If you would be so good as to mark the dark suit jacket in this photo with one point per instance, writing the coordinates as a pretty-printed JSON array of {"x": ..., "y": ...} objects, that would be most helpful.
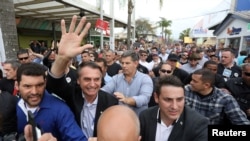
[
  {"x": 191, "y": 126},
  {"x": 72, "y": 95},
  {"x": 8, "y": 118}
]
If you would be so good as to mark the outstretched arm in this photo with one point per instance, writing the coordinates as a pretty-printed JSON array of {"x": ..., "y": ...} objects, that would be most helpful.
[{"x": 70, "y": 44}]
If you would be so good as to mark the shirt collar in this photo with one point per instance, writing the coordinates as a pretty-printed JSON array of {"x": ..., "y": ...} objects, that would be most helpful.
[
  {"x": 159, "y": 117},
  {"x": 136, "y": 73},
  {"x": 86, "y": 102}
]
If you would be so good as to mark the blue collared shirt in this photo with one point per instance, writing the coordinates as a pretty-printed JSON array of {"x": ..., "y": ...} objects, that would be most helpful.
[
  {"x": 88, "y": 117},
  {"x": 140, "y": 89}
]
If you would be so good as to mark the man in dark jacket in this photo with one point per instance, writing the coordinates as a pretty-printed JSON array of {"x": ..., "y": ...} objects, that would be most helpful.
[
  {"x": 240, "y": 89},
  {"x": 8, "y": 118},
  {"x": 86, "y": 100},
  {"x": 172, "y": 120}
]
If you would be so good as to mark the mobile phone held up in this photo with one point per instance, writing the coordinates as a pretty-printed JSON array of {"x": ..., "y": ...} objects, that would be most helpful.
[{"x": 35, "y": 130}]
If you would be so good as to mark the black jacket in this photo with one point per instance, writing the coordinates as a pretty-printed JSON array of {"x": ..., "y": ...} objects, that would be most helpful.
[
  {"x": 7, "y": 85},
  {"x": 240, "y": 91},
  {"x": 73, "y": 97},
  {"x": 8, "y": 118},
  {"x": 191, "y": 126}
]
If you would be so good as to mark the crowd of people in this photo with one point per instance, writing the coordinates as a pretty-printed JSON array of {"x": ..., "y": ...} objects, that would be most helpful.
[{"x": 150, "y": 92}]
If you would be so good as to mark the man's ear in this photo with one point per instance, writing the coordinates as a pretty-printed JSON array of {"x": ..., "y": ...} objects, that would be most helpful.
[
  {"x": 207, "y": 85},
  {"x": 156, "y": 97}
]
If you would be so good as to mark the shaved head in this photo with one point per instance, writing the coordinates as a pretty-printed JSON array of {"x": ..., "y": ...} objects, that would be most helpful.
[{"x": 118, "y": 123}]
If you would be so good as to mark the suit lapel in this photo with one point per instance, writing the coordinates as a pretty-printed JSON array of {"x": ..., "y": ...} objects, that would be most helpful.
[
  {"x": 177, "y": 130},
  {"x": 79, "y": 101},
  {"x": 99, "y": 109},
  {"x": 153, "y": 123}
]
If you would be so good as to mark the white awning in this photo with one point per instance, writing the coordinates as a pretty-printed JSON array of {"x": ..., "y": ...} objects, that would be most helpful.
[{"x": 55, "y": 10}]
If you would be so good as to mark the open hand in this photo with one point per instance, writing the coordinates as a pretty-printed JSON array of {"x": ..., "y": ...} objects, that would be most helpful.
[{"x": 70, "y": 42}]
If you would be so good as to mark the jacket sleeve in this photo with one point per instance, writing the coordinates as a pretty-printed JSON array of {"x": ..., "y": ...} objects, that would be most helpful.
[{"x": 60, "y": 87}]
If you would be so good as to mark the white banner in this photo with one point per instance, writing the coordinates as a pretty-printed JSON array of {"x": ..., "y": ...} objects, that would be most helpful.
[{"x": 2, "y": 50}]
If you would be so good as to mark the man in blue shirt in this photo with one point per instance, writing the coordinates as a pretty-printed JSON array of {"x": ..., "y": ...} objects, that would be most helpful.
[
  {"x": 50, "y": 113},
  {"x": 131, "y": 87}
]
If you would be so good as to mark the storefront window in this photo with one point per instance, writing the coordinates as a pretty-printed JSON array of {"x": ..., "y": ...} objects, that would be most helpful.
[
  {"x": 246, "y": 44},
  {"x": 234, "y": 43}
]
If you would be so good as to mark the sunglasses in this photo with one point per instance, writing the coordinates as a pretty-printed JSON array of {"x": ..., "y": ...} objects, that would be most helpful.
[
  {"x": 165, "y": 71},
  {"x": 24, "y": 58},
  {"x": 247, "y": 73}
]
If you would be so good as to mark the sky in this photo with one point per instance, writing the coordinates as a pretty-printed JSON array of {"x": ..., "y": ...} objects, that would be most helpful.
[{"x": 183, "y": 13}]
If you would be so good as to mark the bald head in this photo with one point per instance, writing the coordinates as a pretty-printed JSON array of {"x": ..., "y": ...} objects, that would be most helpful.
[{"x": 118, "y": 123}]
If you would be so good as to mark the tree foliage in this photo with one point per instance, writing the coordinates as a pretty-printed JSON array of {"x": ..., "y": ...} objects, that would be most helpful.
[
  {"x": 143, "y": 27},
  {"x": 164, "y": 24},
  {"x": 184, "y": 33}
]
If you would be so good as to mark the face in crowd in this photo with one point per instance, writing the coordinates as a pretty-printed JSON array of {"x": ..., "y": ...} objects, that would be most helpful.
[
  {"x": 165, "y": 69},
  {"x": 170, "y": 97},
  {"x": 227, "y": 58},
  {"x": 23, "y": 58},
  {"x": 90, "y": 83},
  {"x": 31, "y": 83}
]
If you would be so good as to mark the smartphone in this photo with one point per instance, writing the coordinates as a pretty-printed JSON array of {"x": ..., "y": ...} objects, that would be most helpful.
[{"x": 35, "y": 130}]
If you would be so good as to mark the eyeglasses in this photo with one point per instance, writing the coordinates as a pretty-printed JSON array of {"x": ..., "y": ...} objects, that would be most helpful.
[
  {"x": 24, "y": 58},
  {"x": 247, "y": 73},
  {"x": 165, "y": 71},
  {"x": 143, "y": 55}
]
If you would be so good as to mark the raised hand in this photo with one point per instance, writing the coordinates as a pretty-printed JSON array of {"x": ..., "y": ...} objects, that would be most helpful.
[{"x": 70, "y": 42}]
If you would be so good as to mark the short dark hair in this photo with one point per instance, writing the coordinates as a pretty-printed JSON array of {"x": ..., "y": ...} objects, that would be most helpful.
[
  {"x": 22, "y": 51},
  {"x": 208, "y": 63},
  {"x": 193, "y": 56},
  {"x": 103, "y": 61},
  {"x": 207, "y": 76},
  {"x": 216, "y": 56},
  {"x": 244, "y": 66},
  {"x": 169, "y": 80},
  {"x": 230, "y": 50},
  {"x": 30, "y": 69},
  {"x": 243, "y": 52},
  {"x": 85, "y": 51},
  {"x": 154, "y": 48},
  {"x": 163, "y": 63},
  {"x": 90, "y": 64},
  {"x": 130, "y": 53}
]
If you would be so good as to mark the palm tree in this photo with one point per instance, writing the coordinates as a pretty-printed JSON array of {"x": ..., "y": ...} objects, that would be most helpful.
[
  {"x": 184, "y": 33},
  {"x": 167, "y": 33},
  {"x": 143, "y": 27},
  {"x": 164, "y": 24},
  {"x": 130, "y": 10}
]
